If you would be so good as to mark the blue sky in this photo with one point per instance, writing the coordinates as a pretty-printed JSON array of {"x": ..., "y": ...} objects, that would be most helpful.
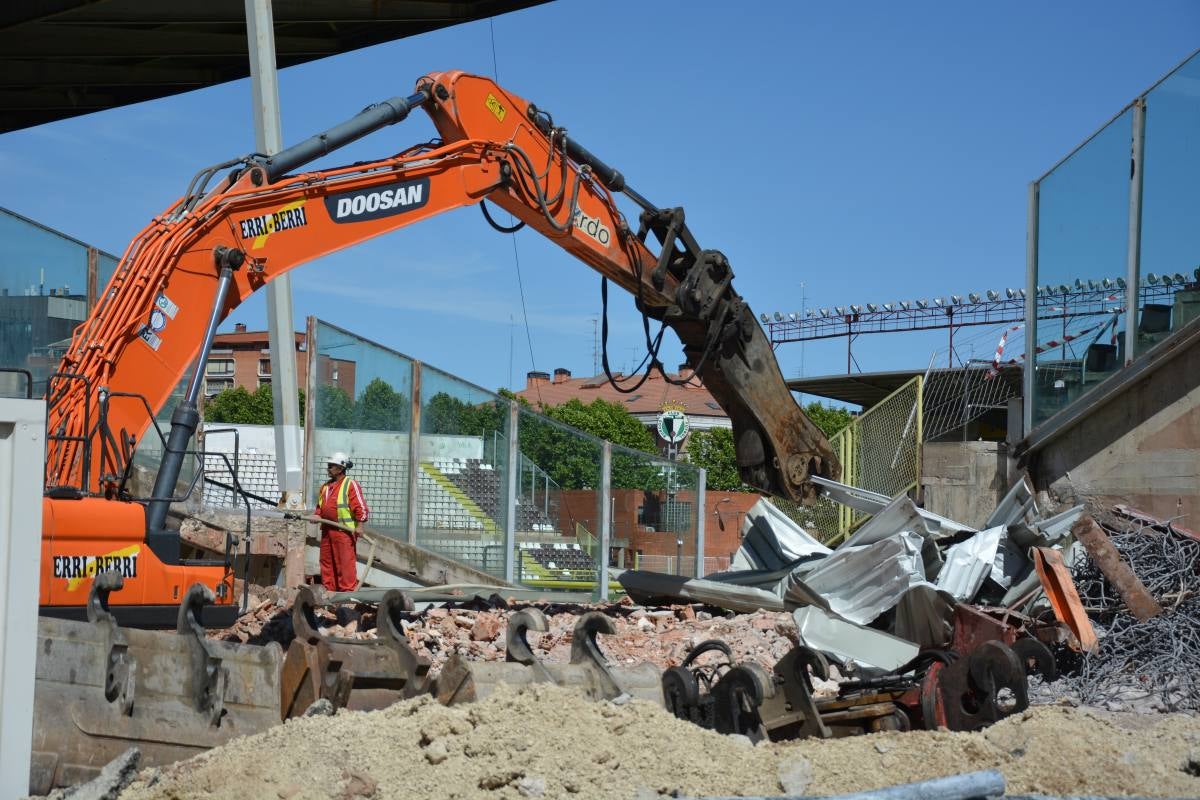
[{"x": 872, "y": 151}]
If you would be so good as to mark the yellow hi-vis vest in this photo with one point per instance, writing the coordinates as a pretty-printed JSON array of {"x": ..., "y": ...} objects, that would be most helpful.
[{"x": 345, "y": 516}]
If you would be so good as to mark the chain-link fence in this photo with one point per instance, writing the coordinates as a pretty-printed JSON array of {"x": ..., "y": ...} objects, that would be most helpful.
[{"x": 879, "y": 450}]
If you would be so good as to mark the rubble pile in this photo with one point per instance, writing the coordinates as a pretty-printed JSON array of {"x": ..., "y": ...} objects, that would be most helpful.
[
  {"x": 1153, "y": 663},
  {"x": 660, "y": 636},
  {"x": 552, "y": 743}
]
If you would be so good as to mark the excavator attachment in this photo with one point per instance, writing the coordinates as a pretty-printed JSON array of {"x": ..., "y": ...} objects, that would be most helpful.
[
  {"x": 589, "y": 672},
  {"x": 359, "y": 674},
  {"x": 101, "y": 689}
]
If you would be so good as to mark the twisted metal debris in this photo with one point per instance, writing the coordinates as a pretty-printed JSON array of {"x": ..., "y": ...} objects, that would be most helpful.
[{"x": 1155, "y": 663}]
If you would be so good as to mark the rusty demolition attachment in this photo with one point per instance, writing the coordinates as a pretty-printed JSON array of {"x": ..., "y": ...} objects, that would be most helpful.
[
  {"x": 463, "y": 681},
  {"x": 980, "y": 680},
  {"x": 358, "y": 674},
  {"x": 101, "y": 688}
]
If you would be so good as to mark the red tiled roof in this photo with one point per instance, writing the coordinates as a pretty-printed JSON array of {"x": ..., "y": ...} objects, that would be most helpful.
[{"x": 648, "y": 399}]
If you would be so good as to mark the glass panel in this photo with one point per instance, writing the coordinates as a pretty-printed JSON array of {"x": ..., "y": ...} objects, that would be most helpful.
[
  {"x": 656, "y": 513},
  {"x": 1170, "y": 255},
  {"x": 463, "y": 483},
  {"x": 362, "y": 408},
  {"x": 43, "y": 285},
  {"x": 557, "y": 506},
  {"x": 1083, "y": 224}
]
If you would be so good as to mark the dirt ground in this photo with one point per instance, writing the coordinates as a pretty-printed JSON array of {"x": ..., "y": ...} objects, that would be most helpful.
[{"x": 548, "y": 742}]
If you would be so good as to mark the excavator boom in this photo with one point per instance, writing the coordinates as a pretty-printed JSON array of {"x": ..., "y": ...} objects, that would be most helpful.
[{"x": 196, "y": 262}]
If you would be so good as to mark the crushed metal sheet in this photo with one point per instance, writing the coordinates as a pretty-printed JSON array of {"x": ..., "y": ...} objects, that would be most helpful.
[
  {"x": 772, "y": 540},
  {"x": 1045, "y": 532},
  {"x": 860, "y": 583},
  {"x": 862, "y": 500},
  {"x": 847, "y": 641},
  {"x": 1019, "y": 504},
  {"x": 1010, "y": 565},
  {"x": 902, "y": 515},
  {"x": 925, "y": 616},
  {"x": 968, "y": 563}
]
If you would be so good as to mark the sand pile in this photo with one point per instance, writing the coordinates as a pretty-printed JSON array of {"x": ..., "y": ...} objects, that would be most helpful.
[{"x": 547, "y": 742}]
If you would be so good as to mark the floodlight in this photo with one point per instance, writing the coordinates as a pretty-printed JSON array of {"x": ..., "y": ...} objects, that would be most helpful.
[
  {"x": 1167, "y": 280},
  {"x": 1078, "y": 284},
  {"x": 956, "y": 299},
  {"x": 1092, "y": 285},
  {"x": 1063, "y": 289},
  {"x": 973, "y": 297},
  {"x": 824, "y": 312},
  {"x": 810, "y": 313},
  {"x": 872, "y": 307},
  {"x": 888, "y": 306},
  {"x": 857, "y": 309},
  {"x": 1107, "y": 283},
  {"x": 1047, "y": 289},
  {"x": 764, "y": 317},
  {"x": 792, "y": 316},
  {"x": 778, "y": 317},
  {"x": 922, "y": 304},
  {"x": 1120, "y": 283},
  {"x": 1179, "y": 278},
  {"x": 939, "y": 301},
  {"x": 993, "y": 295},
  {"x": 907, "y": 305},
  {"x": 1196, "y": 272},
  {"x": 1010, "y": 293},
  {"x": 841, "y": 310},
  {"x": 1022, "y": 292},
  {"x": 1152, "y": 279}
]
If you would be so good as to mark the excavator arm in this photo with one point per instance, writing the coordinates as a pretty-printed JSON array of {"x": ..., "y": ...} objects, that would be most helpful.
[{"x": 196, "y": 262}]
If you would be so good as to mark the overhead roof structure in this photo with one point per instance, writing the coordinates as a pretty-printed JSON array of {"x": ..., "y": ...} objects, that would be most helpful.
[
  {"x": 867, "y": 389},
  {"x": 63, "y": 58}
]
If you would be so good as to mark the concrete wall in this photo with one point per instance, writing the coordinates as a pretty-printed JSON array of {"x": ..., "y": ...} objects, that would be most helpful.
[
  {"x": 964, "y": 480},
  {"x": 1142, "y": 448}
]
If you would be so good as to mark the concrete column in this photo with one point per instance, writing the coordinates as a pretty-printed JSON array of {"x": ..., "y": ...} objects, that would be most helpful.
[
  {"x": 701, "y": 489},
  {"x": 605, "y": 517},
  {"x": 280, "y": 328},
  {"x": 22, "y": 451},
  {"x": 510, "y": 492}
]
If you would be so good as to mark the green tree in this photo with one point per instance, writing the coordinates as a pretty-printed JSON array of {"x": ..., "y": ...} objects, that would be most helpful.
[
  {"x": 239, "y": 407},
  {"x": 381, "y": 408},
  {"x": 829, "y": 419},
  {"x": 573, "y": 461},
  {"x": 334, "y": 409},
  {"x": 714, "y": 451},
  {"x": 444, "y": 413}
]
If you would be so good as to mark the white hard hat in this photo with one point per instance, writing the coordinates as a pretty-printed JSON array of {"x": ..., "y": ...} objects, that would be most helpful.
[{"x": 341, "y": 459}]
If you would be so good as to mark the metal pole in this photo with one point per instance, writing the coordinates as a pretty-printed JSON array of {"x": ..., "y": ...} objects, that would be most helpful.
[
  {"x": 414, "y": 455},
  {"x": 1031, "y": 333},
  {"x": 605, "y": 509},
  {"x": 280, "y": 328},
  {"x": 701, "y": 490},
  {"x": 510, "y": 498},
  {"x": 1133, "y": 261}
]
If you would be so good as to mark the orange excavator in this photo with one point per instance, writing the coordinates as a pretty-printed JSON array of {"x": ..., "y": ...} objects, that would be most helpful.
[{"x": 262, "y": 216}]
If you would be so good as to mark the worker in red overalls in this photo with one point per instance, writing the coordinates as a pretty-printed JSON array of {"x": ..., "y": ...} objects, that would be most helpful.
[{"x": 342, "y": 501}]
